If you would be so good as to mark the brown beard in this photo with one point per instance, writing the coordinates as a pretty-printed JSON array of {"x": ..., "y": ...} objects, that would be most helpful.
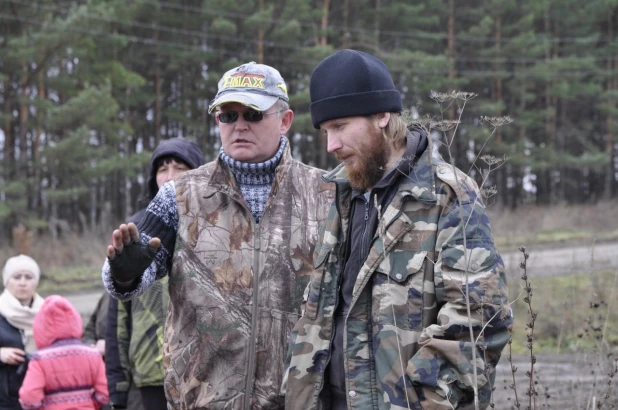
[{"x": 370, "y": 163}]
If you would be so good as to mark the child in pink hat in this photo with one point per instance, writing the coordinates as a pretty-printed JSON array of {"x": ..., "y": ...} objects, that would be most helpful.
[{"x": 64, "y": 373}]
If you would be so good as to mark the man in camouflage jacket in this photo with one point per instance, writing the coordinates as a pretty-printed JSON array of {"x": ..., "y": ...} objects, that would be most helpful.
[
  {"x": 235, "y": 237},
  {"x": 134, "y": 334},
  {"x": 384, "y": 319}
]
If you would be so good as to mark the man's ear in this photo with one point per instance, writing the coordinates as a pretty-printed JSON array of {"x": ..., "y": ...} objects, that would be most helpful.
[
  {"x": 383, "y": 118},
  {"x": 286, "y": 121}
]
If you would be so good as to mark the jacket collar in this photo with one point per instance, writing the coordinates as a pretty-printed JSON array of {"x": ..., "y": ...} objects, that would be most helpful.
[
  {"x": 222, "y": 178},
  {"x": 419, "y": 183}
]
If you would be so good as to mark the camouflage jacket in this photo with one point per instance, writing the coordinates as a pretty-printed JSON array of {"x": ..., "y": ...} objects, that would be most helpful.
[
  {"x": 406, "y": 341},
  {"x": 235, "y": 286},
  {"x": 139, "y": 333}
]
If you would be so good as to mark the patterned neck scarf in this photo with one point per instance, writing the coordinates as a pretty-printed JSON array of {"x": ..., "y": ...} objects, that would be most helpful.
[{"x": 255, "y": 179}]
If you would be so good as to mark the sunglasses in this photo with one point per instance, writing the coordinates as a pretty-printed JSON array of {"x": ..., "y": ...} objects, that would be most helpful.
[{"x": 249, "y": 116}]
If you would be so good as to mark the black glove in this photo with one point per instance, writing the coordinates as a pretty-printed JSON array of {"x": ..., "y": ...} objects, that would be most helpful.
[
  {"x": 129, "y": 264},
  {"x": 23, "y": 366}
]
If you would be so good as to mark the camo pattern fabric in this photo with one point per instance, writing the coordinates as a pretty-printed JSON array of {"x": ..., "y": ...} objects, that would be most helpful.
[
  {"x": 407, "y": 340},
  {"x": 141, "y": 348},
  {"x": 236, "y": 286}
]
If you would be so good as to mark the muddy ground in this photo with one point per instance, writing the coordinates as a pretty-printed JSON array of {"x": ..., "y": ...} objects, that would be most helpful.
[{"x": 563, "y": 381}]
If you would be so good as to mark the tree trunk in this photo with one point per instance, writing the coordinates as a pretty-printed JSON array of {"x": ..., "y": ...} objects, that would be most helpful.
[
  {"x": 501, "y": 173},
  {"x": 561, "y": 146},
  {"x": 518, "y": 190},
  {"x": 609, "y": 121},
  {"x": 36, "y": 147},
  {"x": 260, "y": 36},
  {"x": 9, "y": 134},
  {"x": 24, "y": 116},
  {"x": 545, "y": 193},
  {"x": 497, "y": 67},
  {"x": 128, "y": 207},
  {"x": 324, "y": 25},
  {"x": 157, "y": 85},
  {"x": 346, "y": 29},
  {"x": 376, "y": 28},
  {"x": 457, "y": 145},
  {"x": 53, "y": 216}
]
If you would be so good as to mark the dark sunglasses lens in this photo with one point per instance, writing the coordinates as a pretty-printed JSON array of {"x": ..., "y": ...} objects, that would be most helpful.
[
  {"x": 253, "y": 116},
  {"x": 227, "y": 117}
]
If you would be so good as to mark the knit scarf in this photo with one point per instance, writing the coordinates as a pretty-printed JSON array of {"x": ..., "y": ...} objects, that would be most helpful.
[
  {"x": 255, "y": 179},
  {"x": 20, "y": 316}
]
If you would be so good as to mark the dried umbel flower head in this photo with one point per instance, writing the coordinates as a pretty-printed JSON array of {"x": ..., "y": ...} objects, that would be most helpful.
[
  {"x": 489, "y": 192},
  {"x": 465, "y": 96},
  {"x": 493, "y": 160},
  {"x": 445, "y": 125},
  {"x": 426, "y": 122},
  {"x": 442, "y": 97},
  {"x": 453, "y": 95},
  {"x": 496, "y": 122}
]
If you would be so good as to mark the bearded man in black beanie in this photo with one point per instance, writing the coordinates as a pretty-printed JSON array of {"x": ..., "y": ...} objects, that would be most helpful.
[{"x": 406, "y": 245}]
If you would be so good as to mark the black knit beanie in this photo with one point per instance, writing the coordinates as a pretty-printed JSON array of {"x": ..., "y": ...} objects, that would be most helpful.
[{"x": 351, "y": 83}]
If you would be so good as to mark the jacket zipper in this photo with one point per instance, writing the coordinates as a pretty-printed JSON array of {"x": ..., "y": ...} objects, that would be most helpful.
[
  {"x": 254, "y": 311},
  {"x": 345, "y": 321},
  {"x": 254, "y": 308},
  {"x": 364, "y": 236},
  {"x": 253, "y": 339},
  {"x": 340, "y": 263},
  {"x": 254, "y": 315}
]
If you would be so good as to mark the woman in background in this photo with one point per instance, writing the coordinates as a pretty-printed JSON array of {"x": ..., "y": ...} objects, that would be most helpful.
[{"x": 19, "y": 303}]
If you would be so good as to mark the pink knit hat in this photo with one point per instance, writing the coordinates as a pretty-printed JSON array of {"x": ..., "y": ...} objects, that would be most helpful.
[{"x": 57, "y": 319}]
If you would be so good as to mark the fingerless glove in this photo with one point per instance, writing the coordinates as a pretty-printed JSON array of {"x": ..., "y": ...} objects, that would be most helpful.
[{"x": 129, "y": 264}]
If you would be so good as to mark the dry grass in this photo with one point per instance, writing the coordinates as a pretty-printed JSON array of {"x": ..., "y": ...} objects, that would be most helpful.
[
  {"x": 70, "y": 264},
  {"x": 570, "y": 308},
  {"x": 533, "y": 225}
]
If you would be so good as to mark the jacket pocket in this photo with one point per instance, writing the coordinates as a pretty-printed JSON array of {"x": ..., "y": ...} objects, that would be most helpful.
[
  {"x": 477, "y": 267},
  {"x": 398, "y": 289},
  {"x": 481, "y": 256},
  {"x": 311, "y": 298}
]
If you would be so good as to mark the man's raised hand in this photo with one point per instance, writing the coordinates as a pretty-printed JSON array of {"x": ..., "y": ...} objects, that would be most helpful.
[{"x": 128, "y": 257}]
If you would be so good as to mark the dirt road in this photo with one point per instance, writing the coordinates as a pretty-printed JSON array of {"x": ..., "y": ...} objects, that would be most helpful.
[
  {"x": 563, "y": 381},
  {"x": 564, "y": 260},
  {"x": 543, "y": 262}
]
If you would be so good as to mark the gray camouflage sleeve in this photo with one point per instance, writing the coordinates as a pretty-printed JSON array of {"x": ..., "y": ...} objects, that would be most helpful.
[
  {"x": 160, "y": 221},
  {"x": 443, "y": 364}
]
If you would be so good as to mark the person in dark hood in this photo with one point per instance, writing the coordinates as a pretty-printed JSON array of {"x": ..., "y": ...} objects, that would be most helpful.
[
  {"x": 171, "y": 158},
  {"x": 134, "y": 333}
]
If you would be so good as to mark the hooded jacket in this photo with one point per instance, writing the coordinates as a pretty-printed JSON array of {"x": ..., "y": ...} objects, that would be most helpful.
[
  {"x": 63, "y": 373},
  {"x": 186, "y": 150},
  {"x": 406, "y": 342},
  {"x": 134, "y": 334}
]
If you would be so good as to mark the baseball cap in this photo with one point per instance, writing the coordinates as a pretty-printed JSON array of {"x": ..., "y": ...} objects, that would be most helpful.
[{"x": 255, "y": 85}]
